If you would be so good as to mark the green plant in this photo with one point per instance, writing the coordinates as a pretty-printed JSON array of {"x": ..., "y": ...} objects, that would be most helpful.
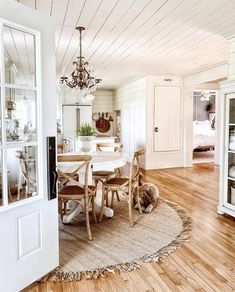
[{"x": 86, "y": 130}]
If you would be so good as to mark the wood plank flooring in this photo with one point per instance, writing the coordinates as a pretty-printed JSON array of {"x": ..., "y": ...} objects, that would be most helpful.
[{"x": 206, "y": 263}]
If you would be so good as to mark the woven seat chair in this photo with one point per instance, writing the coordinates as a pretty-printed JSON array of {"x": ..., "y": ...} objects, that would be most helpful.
[
  {"x": 125, "y": 186},
  {"x": 101, "y": 176},
  {"x": 72, "y": 190}
]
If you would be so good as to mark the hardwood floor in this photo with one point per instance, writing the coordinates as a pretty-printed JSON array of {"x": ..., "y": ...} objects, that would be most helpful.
[{"x": 206, "y": 263}]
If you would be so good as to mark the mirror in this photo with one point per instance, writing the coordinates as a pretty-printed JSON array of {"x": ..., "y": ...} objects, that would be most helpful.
[{"x": 19, "y": 50}]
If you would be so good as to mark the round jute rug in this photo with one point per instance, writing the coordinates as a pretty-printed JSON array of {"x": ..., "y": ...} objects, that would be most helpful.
[{"x": 118, "y": 247}]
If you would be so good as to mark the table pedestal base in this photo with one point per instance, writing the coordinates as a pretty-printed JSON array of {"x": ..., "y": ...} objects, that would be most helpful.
[{"x": 76, "y": 208}]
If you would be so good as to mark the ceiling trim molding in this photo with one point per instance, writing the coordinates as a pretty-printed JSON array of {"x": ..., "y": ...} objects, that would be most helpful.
[{"x": 208, "y": 75}]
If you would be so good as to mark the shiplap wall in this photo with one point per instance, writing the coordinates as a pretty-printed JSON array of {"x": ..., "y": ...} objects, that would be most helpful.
[
  {"x": 103, "y": 103},
  {"x": 130, "y": 99}
]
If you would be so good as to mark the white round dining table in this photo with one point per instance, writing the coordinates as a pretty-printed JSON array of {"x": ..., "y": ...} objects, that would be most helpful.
[{"x": 100, "y": 161}]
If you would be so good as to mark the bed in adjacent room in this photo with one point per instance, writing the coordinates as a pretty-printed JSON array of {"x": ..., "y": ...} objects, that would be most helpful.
[{"x": 203, "y": 135}]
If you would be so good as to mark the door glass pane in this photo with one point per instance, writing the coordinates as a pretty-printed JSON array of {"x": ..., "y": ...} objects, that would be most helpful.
[
  {"x": 22, "y": 173},
  {"x": 231, "y": 192},
  {"x": 19, "y": 50},
  {"x": 1, "y": 192},
  {"x": 21, "y": 115},
  {"x": 232, "y": 111}
]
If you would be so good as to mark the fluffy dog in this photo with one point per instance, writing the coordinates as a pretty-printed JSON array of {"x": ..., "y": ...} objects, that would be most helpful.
[{"x": 149, "y": 195}]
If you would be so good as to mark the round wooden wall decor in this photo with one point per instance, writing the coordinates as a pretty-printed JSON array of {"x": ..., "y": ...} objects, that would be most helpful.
[{"x": 102, "y": 125}]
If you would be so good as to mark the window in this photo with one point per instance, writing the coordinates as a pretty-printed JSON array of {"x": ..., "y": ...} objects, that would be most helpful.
[{"x": 19, "y": 115}]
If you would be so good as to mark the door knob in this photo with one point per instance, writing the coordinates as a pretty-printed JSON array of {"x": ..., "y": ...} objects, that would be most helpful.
[{"x": 156, "y": 129}]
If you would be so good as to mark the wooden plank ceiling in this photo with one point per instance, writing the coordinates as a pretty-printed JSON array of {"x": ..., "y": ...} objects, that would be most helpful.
[{"x": 125, "y": 39}]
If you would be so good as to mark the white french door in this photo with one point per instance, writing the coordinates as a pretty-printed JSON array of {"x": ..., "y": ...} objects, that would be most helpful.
[{"x": 28, "y": 219}]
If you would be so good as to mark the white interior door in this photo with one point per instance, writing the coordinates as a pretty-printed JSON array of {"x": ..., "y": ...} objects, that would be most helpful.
[
  {"x": 167, "y": 136},
  {"x": 28, "y": 220}
]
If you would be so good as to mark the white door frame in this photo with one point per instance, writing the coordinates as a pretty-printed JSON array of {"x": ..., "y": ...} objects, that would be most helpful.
[{"x": 217, "y": 116}]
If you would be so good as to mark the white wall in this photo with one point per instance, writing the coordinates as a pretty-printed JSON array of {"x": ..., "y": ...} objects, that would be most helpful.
[
  {"x": 130, "y": 99},
  {"x": 159, "y": 159},
  {"x": 103, "y": 103}
]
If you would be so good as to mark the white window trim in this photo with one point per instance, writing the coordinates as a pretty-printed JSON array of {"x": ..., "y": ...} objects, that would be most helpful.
[{"x": 37, "y": 89}]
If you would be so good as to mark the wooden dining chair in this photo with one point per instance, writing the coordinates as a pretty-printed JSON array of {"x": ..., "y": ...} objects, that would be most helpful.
[
  {"x": 114, "y": 147},
  {"x": 101, "y": 176},
  {"x": 72, "y": 190},
  {"x": 125, "y": 185},
  {"x": 25, "y": 179}
]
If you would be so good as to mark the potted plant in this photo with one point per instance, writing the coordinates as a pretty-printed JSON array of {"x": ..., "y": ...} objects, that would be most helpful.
[{"x": 86, "y": 135}]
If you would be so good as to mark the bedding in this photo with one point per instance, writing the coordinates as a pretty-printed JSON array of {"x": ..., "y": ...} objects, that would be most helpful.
[{"x": 203, "y": 134}]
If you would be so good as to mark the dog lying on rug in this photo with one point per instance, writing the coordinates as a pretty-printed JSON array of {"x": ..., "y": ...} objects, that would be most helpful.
[{"x": 149, "y": 195}]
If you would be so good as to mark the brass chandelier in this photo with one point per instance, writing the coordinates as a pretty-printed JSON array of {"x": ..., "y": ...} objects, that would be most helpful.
[{"x": 81, "y": 77}]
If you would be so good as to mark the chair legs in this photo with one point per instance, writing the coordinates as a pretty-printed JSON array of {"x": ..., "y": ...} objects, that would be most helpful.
[
  {"x": 130, "y": 207},
  {"x": 107, "y": 200},
  {"x": 86, "y": 209},
  {"x": 112, "y": 199},
  {"x": 138, "y": 199},
  {"x": 117, "y": 196},
  {"x": 102, "y": 204},
  {"x": 130, "y": 203},
  {"x": 93, "y": 210},
  {"x": 60, "y": 208}
]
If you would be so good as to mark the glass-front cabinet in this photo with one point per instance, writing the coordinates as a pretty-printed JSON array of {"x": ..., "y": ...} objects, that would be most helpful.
[
  {"x": 228, "y": 165},
  {"x": 19, "y": 94}
]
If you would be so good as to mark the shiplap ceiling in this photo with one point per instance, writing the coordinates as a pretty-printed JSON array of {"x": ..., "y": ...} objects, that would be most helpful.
[
  {"x": 125, "y": 39},
  {"x": 19, "y": 56}
]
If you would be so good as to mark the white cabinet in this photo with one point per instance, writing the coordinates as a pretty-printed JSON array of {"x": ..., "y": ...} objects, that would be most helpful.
[
  {"x": 227, "y": 171},
  {"x": 167, "y": 115},
  {"x": 73, "y": 117}
]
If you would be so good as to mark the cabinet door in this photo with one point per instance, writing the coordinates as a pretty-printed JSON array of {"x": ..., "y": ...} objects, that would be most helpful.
[
  {"x": 229, "y": 168},
  {"x": 167, "y": 105},
  {"x": 71, "y": 120}
]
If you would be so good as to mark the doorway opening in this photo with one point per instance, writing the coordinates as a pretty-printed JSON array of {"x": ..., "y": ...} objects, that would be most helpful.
[{"x": 204, "y": 122}]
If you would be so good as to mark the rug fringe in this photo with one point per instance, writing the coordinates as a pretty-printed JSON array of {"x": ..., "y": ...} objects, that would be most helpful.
[{"x": 59, "y": 275}]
